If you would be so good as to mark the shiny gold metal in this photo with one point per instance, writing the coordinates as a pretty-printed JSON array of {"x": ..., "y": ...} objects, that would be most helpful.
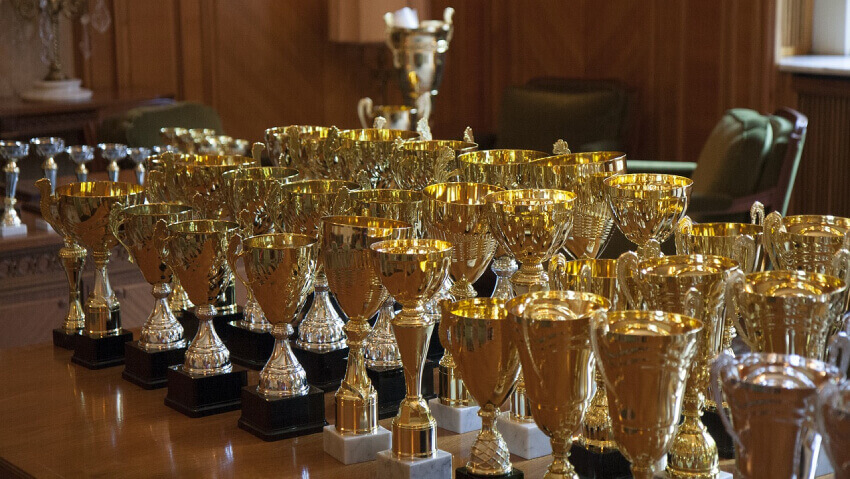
[
  {"x": 83, "y": 209},
  {"x": 288, "y": 146},
  {"x": 135, "y": 228},
  {"x": 509, "y": 169},
  {"x": 279, "y": 269},
  {"x": 198, "y": 182},
  {"x": 646, "y": 207},
  {"x": 369, "y": 150},
  {"x": 551, "y": 330},
  {"x": 583, "y": 173},
  {"x": 787, "y": 312},
  {"x": 645, "y": 357},
  {"x": 196, "y": 252},
  {"x": 488, "y": 361},
  {"x": 416, "y": 164},
  {"x": 398, "y": 117},
  {"x": 412, "y": 270},
  {"x": 531, "y": 225},
  {"x": 176, "y": 137},
  {"x": 351, "y": 274},
  {"x": 739, "y": 241},
  {"x": 813, "y": 243}
]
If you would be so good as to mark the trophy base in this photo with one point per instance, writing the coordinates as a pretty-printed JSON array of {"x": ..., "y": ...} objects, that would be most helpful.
[
  {"x": 463, "y": 473},
  {"x": 190, "y": 324},
  {"x": 435, "y": 348},
  {"x": 389, "y": 382},
  {"x": 354, "y": 448},
  {"x": 7, "y": 231},
  {"x": 438, "y": 465},
  {"x": 63, "y": 340},
  {"x": 524, "y": 439},
  {"x": 725, "y": 446},
  {"x": 324, "y": 370},
  {"x": 455, "y": 419},
  {"x": 248, "y": 348},
  {"x": 197, "y": 396},
  {"x": 99, "y": 353},
  {"x": 275, "y": 419},
  {"x": 593, "y": 465},
  {"x": 148, "y": 369}
]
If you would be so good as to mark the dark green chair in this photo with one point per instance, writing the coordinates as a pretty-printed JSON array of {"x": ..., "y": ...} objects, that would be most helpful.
[{"x": 140, "y": 126}]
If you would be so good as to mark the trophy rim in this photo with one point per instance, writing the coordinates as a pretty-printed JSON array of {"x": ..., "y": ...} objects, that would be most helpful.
[
  {"x": 294, "y": 187},
  {"x": 209, "y": 227},
  {"x": 458, "y": 146},
  {"x": 247, "y": 174},
  {"x": 387, "y": 135},
  {"x": 279, "y": 241},
  {"x": 596, "y": 157},
  {"x": 726, "y": 230},
  {"x": 610, "y": 267},
  {"x": 756, "y": 362},
  {"x": 628, "y": 182},
  {"x": 517, "y": 306},
  {"x": 443, "y": 188},
  {"x": 678, "y": 325},
  {"x": 649, "y": 266},
  {"x": 159, "y": 208},
  {"x": 96, "y": 189},
  {"x": 434, "y": 249},
  {"x": 404, "y": 196},
  {"x": 835, "y": 285},
  {"x": 529, "y": 156},
  {"x": 370, "y": 223},
  {"x": 514, "y": 197}
]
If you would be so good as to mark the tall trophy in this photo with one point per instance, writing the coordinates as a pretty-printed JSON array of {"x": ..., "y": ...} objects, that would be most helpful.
[
  {"x": 161, "y": 342},
  {"x": 644, "y": 357},
  {"x": 487, "y": 359},
  {"x": 84, "y": 211},
  {"x": 348, "y": 263},
  {"x": 11, "y": 152},
  {"x": 321, "y": 346},
  {"x": 73, "y": 258},
  {"x": 412, "y": 271},
  {"x": 279, "y": 268},
  {"x": 47, "y": 148},
  {"x": 112, "y": 153},
  {"x": 206, "y": 383},
  {"x": 80, "y": 155},
  {"x": 771, "y": 399},
  {"x": 552, "y": 329}
]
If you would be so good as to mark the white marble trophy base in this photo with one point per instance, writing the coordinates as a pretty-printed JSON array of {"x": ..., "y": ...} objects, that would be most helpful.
[
  {"x": 350, "y": 449},
  {"x": 725, "y": 475},
  {"x": 524, "y": 439},
  {"x": 10, "y": 231},
  {"x": 437, "y": 467},
  {"x": 57, "y": 90},
  {"x": 455, "y": 419},
  {"x": 42, "y": 225}
]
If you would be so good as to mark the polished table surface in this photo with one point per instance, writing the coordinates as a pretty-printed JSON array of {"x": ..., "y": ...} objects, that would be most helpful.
[{"x": 58, "y": 419}]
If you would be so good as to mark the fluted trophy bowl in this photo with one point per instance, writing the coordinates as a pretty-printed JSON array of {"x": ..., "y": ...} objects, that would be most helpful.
[
  {"x": 287, "y": 146},
  {"x": 741, "y": 241},
  {"x": 369, "y": 150},
  {"x": 509, "y": 169},
  {"x": 198, "y": 181},
  {"x": 551, "y": 330},
  {"x": 583, "y": 174},
  {"x": 416, "y": 164},
  {"x": 813, "y": 243}
]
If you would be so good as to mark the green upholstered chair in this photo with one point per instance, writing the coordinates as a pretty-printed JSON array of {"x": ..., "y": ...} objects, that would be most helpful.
[{"x": 140, "y": 126}]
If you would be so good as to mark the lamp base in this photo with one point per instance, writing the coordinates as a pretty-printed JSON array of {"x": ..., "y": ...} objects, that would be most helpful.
[
  {"x": 197, "y": 396},
  {"x": 524, "y": 439},
  {"x": 354, "y": 448},
  {"x": 148, "y": 369},
  {"x": 438, "y": 465},
  {"x": 455, "y": 419},
  {"x": 324, "y": 370},
  {"x": 251, "y": 349},
  {"x": 592, "y": 465},
  {"x": 64, "y": 340},
  {"x": 274, "y": 419},
  {"x": 57, "y": 90},
  {"x": 389, "y": 382},
  {"x": 103, "y": 352}
]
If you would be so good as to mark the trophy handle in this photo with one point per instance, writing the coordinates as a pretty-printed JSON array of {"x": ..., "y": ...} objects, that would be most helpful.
[
  {"x": 364, "y": 110},
  {"x": 734, "y": 285},
  {"x": 757, "y": 213},
  {"x": 557, "y": 265},
  {"x": 441, "y": 166},
  {"x": 683, "y": 230},
  {"x": 234, "y": 252},
  {"x": 841, "y": 265},
  {"x": 585, "y": 277},
  {"x": 744, "y": 252},
  {"x": 160, "y": 239},
  {"x": 839, "y": 350},
  {"x": 423, "y": 105},
  {"x": 115, "y": 222},
  {"x": 694, "y": 305},
  {"x": 774, "y": 231},
  {"x": 363, "y": 180},
  {"x": 257, "y": 152},
  {"x": 724, "y": 362},
  {"x": 49, "y": 205},
  {"x": 330, "y": 147},
  {"x": 342, "y": 202},
  {"x": 561, "y": 147},
  {"x": 448, "y": 13},
  {"x": 445, "y": 324},
  {"x": 379, "y": 123},
  {"x": 468, "y": 136},
  {"x": 822, "y": 401},
  {"x": 627, "y": 265},
  {"x": 424, "y": 130}
]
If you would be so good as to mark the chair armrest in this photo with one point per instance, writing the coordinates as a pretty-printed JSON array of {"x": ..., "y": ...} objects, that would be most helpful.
[{"x": 681, "y": 168}]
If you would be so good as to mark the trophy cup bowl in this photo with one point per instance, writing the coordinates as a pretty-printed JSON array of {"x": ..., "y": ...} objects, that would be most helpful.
[
  {"x": 11, "y": 152},
  {"x": 80, "y": 155},
  {"x": 771, "y": 399},
  {"x": 416, "y": 164},
  {"x": 174, "y": 137},
  {"x": 788, "y": 312},
  {"x": 583, "y": 173},
  {"x": 832, "y": 411},
  {"x": 532, "y": 225},
  {"x": 112, "y": 152},
  {"x": 138, "y": 156},
  {"x": 813, "y": 243},
  {"x": 740, "y": 241},
  {"x": 509, "y": 169},
  {"x": 198, "y": 182},
  {"x": 198, "y": 138},
  {"x": 412, "y": 271},
  {"x": 644, "y": 357},
  {"x": 48, "y": 147},
  {"x": 488, "y": 362},
  {"x": 350, "y": 272},
  {"x": 369, "y": 150},
  {"x": 646, "y": 207},
  {"x": 286, "y": 146},
  {"x": 551, "y": 330}
]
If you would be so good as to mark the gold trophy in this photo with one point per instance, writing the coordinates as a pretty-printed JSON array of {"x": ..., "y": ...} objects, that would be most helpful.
[
  {"x": 351, "y": 274},
  {"x": 399, "y": 117},
  {"x": 583, "y": 173},
  {"x": 321, "y": 347},
  {"x": 487, "y": 358},
  {"x": 175, "y": 137},
  {"x": 73, "y": 258},
  {"x": 771, "y": 398},
  {"x": 742, "y": 242},
  {"x": 787, "y": 312},
  {"x": 286, "y": 147},
  {"x": 412, "y": 270},
  {"x": 694, "y": 285},
  {"x": 551, "y": 329},
  {"x": 416, "y": 164},
  {"x": 206, "y": 383},
  {"x": 369, "y": 150},
  {"x": 645, "y": 357},
  {"x": 83, "y": 209},
  {"x": 813, "y": 243},
  {"x": 161, "y": 342},
  {"x": 279, "y": 268},
  {"x": 647, "y": 207}
]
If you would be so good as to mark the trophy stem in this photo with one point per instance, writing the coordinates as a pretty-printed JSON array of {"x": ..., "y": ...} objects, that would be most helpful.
[
  {"x": 253, "y": 318},
  {"x": 161, "y": 331},
  {"x": 50, "y": 168},
  {"x": 73, "y": 258},
  {"x": 693, "y": 452},
  {"x": 489, "y": 455},
  {"x": 596, "y": 428},
  {"x": 82, "y": 172},
  {"x": 530, "y": 278},
  {"x": 639, "y": 472},
  {"x": 356, "y": 399},
  {"x": 179, "y": 299},
  {"x": 520, "y": 407},
  {"x": 10, "y": 216},
  {"x": 140, "y": 173},
  {"x": 102, "y": 308},
  {"x": 206, "y": 355},
  {"x": 112, "y": 170},
  {"x": 561, "y": 466},
  {"x": 381, "y": 349},
  {"x": 322, "y": 328},
  {"x": 462, "y": 289},
  {"x": 432, "y": 306},
  {"x": 504, "y": 267},
  {"x": 283, "y": 375}
]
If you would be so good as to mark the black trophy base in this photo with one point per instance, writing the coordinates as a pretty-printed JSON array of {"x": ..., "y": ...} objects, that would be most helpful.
[
  {"x": 64, "y": 340},
  {"x": 248, "y": 348},
  {"x": 190, "y": 323},
  {"x": 197, "y": 396},
  {"x": 463, "y": 473},
  {"x": 275, "y": 419},
  {"x": 725, "y": 446},
  {"x": 592, "y": 465},
  {"x": 435, "y": 348},
  {"x": 148, "y": 369},
  {"x": 389, "y": 382},
  {"x": 99, "y": 353},
  {"x": 324, "y": 370}
]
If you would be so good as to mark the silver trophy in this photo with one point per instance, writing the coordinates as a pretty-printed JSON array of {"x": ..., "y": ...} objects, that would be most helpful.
[
  {"x": 112, "y": 152},
  {"x": 48, "y": 147},
  {"x": 138, "y": 157},
  {"x": 80, "y": 155},
  {"x": 12, "y": 151}
]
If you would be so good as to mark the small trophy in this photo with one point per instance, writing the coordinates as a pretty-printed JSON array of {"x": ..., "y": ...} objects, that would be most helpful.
[
  {"x": 80, "y": 155},
  {"x": 12, "y": 151},
  {"x": 138, "y": 156},
  {"x": 112, "y": 152},
  {"x": 399, "y": 117},
  {"x": 47, "y": 148},
  {"x": 369, "y": 150}
]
